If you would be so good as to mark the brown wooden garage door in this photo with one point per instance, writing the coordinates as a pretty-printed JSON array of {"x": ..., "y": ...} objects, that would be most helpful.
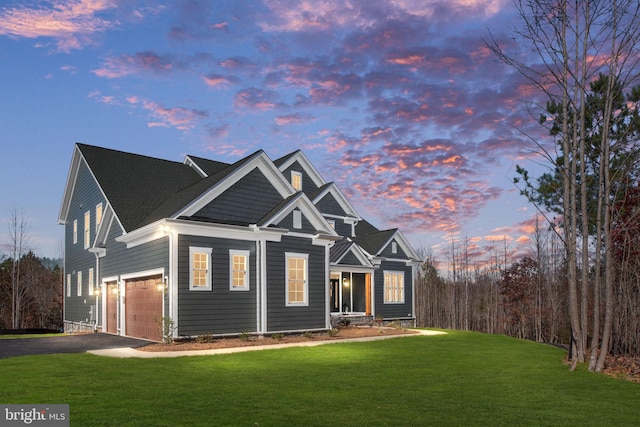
[
  {"x": 111, "y": 315},
  {"x": 143, "y": 307}
]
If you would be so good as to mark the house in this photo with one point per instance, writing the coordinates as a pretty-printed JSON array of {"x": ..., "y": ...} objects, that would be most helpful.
[{"x": 257, "y": 246}]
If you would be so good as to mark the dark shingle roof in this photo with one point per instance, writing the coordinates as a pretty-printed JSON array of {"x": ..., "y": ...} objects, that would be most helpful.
[
  {"x": 284, "y": 158},
  {"x": 136, "y": 185},
  {"x": 210, "y": 167},
  {"x": 339, "y": 249},
  {"x": 173, "y": 203},
  {"x": 370, "y": 238}
]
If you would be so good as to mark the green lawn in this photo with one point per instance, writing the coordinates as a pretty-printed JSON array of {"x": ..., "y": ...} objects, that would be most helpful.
[{"x": 457, "y": 379}]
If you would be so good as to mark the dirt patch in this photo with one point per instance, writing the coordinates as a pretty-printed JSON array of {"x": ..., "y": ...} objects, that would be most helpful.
[{"x": 207, "y": 342}]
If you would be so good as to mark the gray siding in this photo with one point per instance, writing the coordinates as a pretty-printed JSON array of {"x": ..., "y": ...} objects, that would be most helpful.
[
  {"x": 342, "y": 228},
  {"x": 308, "y": 186},
  {"x": 400, "y": 254},
  {"x": 393, "y": 310},
  {"x": 329, "y": 205},
  {"x": 219, "y": 311},
  {"x": 350, "y": 259},
  {"x": 120, "y": 260},
  {"x": 86, "y": 195},
  {"x": 251, "y": 198},
  {"x": 287, "y": 223},
  {"x": 279, "y": 316}
]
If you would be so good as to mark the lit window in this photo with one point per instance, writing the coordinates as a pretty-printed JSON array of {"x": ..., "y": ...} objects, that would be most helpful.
[
  {"x": 79, "y": 283},
  {"x": 68, "y": 285},
  {"x": 91, "y": 285},
  {"x": 87, "y": 229},
  {"x": 332, "y": 223},
  {"x": 200, "y": 271},
  {"x": 239, "y": 270},
  {"x": 297, "y": 287},
  {"x": 75, "y": 231},
  {"x": 393, "y": 287},
  {"x": 297, "y": 219},
  {"x": 296, "y": 180},
  {"x": 98, "y": 216}
]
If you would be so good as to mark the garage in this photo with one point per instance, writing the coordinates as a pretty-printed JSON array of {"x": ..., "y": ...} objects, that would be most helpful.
[
  {"x": 143, "y": 307},
  {"x": 111, "y": 315}
]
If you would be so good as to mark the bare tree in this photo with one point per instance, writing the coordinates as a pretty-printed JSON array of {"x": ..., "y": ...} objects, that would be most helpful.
[
  {"x": 17, "y": 246},
  {"x": 572, "y": 42}
]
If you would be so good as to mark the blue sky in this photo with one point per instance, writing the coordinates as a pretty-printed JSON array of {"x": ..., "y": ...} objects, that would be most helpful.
[{"x": 399, "y": 102}]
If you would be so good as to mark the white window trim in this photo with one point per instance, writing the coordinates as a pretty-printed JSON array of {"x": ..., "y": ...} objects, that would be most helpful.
[
  {"x": 296, "y": 174},
  {"x": 193, "y": 250},
  {"x": 394, "y": 247},
  {"x": 68, "y": 285},
  {"x": 245, "y": 254},
  {"x": 297, "y": 219},
  {"x": 99, "y": 217},
  {"x": 398, "y": 301},
  {"x": 304, "y": 303},
  {"x": 79, "y": 283},
  {"x": 75, "y": 231},
  {"x": 91, "y": 280},
  {"x": 87, "y": 229}
]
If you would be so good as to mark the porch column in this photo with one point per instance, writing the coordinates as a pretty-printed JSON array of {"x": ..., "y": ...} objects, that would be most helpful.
[{"x": 367, "y": 280}]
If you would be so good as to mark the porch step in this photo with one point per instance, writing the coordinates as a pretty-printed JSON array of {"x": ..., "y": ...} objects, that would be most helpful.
[{"x": 351, "y": 320}]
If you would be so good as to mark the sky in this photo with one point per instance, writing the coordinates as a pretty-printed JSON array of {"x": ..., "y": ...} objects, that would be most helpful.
[{"x": 399, "y": 102}]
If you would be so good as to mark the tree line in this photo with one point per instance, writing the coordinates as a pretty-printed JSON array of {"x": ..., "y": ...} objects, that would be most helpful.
[
  {"x": 529, "y": 298},
  {"x": 31, "y": 288}
]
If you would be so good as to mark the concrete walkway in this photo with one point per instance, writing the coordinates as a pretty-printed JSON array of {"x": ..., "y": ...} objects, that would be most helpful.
[{"x": 126, "y": 352}]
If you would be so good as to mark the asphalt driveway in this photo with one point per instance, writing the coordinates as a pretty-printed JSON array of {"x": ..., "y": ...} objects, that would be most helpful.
[{"x": 65, "y": 344}]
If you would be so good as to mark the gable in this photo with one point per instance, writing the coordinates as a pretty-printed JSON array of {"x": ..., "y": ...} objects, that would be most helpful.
[
  {"x": 387, "y": 250},
  {"x": 134, "y": 185},
  {"x": 328, "y": 205},
  {"x": 282, "y": 216},
  {"x": 288, "y": 222},
  {"x": 298, "y": 161},
  {"x": 212, "y": 187},
  {"x": 245, "y": 202},
  {"x": 308, "y": 184},
  {"x": 346, "y": 252}
]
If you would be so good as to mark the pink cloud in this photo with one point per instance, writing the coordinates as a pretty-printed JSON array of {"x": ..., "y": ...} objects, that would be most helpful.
[
  {"x": 72, "y": 24},
  {"x": 177, "y": 117},
  {"x": 218, "y": 80},
  {"x": 143, "y": 62},
  {"x": 293, "y": 119},
  {"x": 256, "y": 99}
]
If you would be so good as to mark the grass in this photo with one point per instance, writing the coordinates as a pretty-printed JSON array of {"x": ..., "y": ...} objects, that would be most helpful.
[{"x": 455, "y": 379}]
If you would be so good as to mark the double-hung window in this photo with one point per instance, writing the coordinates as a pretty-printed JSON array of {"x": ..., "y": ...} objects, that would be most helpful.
[
  {"x": 199, "y": 269},
  {"x": 297, "y": 287},
  {"x": 239, "y": 270},
  {"x": 87, "y": 229},
  {"x": 79, "y": 283},
  {"x": 393, "y": 287},
  {"x": 98, "y": 216},
  {"x": 91, "y": 280},
  {"x": 296, "y": 180}
]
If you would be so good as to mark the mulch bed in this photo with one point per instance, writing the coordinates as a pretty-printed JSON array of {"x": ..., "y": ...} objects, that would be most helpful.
[{"x": 208, "y": 342}]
